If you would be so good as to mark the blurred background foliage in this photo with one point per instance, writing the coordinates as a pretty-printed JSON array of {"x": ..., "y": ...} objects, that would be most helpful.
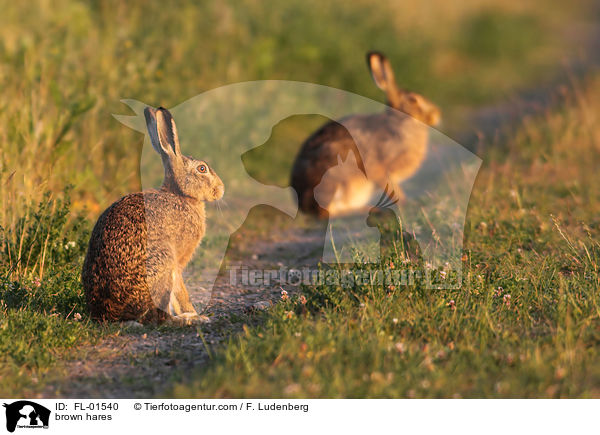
[{"x": 66, "y": 64}]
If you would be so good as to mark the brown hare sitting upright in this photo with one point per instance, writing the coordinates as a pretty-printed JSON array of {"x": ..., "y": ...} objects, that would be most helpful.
[
  {"x": 141, "y": 244},
  {"x": 392, "y": 147}
]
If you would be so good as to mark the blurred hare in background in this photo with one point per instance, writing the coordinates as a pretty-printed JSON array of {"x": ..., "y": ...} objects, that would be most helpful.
[{"x": 392, "y": 144}]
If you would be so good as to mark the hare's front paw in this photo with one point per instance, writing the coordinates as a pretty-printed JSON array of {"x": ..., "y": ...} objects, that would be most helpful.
[{"x": 191, "y": 318}]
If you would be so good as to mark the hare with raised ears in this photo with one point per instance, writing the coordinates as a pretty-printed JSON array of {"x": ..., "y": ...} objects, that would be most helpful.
[
  {"x": 392, "y": 146},
  {"x": 141, "y": 243}
]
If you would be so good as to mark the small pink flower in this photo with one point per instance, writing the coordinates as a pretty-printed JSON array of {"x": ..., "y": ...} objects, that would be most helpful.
[
  {"x": 284, "y": 295},
  {"x": 506, "y": 300},
  {"x": 452, "y": 304},
  {"x": 303, "y": 300}
]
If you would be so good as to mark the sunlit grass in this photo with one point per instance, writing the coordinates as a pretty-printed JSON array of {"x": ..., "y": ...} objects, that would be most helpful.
[{"x": 42, "y": 305}]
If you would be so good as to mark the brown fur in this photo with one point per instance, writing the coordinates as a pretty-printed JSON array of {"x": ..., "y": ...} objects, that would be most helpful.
[
  {"x": 393, "y": 145},
  {"x": 141, "y": 243}
]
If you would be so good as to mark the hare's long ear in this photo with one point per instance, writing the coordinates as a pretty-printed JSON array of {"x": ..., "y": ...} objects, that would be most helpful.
[
  {"x": 167, "y": 131},
  {"x": 150, "y": 115},
  {"x": 163, "y": 132},
  {"x": 383, "y": 76}
]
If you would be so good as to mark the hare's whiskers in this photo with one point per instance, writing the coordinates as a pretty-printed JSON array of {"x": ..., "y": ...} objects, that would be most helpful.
[{"x": 218, "y": 204}]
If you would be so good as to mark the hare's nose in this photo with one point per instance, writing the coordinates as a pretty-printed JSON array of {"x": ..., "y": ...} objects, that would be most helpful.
[
  {"x": 435, "y": 119},
  {"x": 219, "y": 191}
]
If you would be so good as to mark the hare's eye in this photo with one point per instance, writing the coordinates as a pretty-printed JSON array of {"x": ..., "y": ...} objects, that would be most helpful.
[{"x": 202, "y": 169}]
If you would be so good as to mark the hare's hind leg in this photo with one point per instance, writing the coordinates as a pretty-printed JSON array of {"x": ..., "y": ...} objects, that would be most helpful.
[{"x": 168, "y": 299}]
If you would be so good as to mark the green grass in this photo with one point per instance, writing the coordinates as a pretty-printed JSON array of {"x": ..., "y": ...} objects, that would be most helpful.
[
  {"x": 42, "y": 305},
  {"x": 525, "y": 323}
]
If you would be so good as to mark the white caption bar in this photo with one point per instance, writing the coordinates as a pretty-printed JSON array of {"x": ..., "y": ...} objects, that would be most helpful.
[{"x": 264, "y": 416}]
